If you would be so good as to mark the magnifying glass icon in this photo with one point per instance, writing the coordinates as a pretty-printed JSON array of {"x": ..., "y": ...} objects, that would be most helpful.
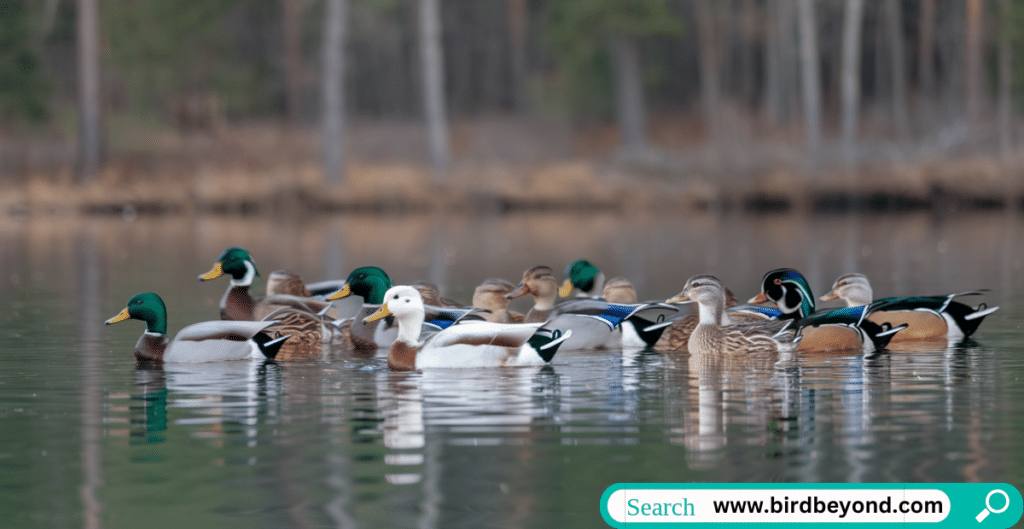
[{"x": 988, "y": 506}]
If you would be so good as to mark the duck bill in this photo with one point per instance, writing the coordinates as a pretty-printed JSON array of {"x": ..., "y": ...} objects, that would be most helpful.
[
  {"x": 343, "y": 292},
  {"x": 519, "y": 292},
  {"x": 678, "y": 299},
  {"x": 829, "y": 297},
  {"x": 760, "y": 298},
  {"x": 214, "y": 273},
  {"x": 565, "y": 289},
  {"x": 121, "y": 316},
  {"x": 382, "y": 312}
]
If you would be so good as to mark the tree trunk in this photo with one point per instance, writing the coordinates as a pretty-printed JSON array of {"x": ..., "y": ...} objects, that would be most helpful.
[
  {"x": 90, "y": 140},
  {"x": 332, "y": 89},
  {"x": 898, "y": 68},
  {"x": 629, "y": 93},
  {"x": 852, "y": 22},
  {"x": 1005, "y": 80},
  {"x": 435, "y": 109},
  {"x": 972, "y": 59},
  {"x": 517, "y": 20},
  {"x": 291, "y": 21},
  {"x": 809, "y": 74},
  {"x": 709, "y": 70},
  {"x": 926, "y": 50}
]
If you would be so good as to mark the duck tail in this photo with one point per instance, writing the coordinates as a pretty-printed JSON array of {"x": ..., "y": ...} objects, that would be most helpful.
[
  {"x": 546, "y": 342},
  {"x": 968, "y": 318},
  {"x": 650, "y": 332},
  {"x": 884, "y": 335},
  {"x": 267, "y": 346}
]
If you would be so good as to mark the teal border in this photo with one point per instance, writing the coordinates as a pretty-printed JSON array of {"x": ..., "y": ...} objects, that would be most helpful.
[{"x": 966, "y": 501}]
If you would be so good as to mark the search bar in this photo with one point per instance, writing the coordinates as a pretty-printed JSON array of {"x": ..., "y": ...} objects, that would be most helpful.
[{"x": 991, "y": 505}]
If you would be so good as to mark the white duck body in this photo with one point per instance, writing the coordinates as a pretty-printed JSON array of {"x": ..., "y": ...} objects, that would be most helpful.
[
  {"x": 214, "y": 341},
  {"x": 470, "y": 344}
]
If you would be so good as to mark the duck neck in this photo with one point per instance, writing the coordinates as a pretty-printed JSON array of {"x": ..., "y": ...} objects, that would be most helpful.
[
  {"x": 711, "y": 313},
  {"x": 409, "y": 326},
  {"x": 245, "y": 279}
]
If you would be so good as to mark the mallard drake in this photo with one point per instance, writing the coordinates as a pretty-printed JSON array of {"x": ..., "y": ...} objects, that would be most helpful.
[
  {"x": 491, "y": 297},
  {"x": 584, "y": 276},
  {"x": 237, "y": 303},
  {"x": 829, "y": 331},
  {"x": 371, "y": 283},
  {"x": 928, "y": 318},
  {"x": 677, "y": 336},
  {"x": 595, "y": 322},
  {"x": 470, "y": 344},
  {"x": 711, "y": 336},
  {"x": 210, "y": 341}
]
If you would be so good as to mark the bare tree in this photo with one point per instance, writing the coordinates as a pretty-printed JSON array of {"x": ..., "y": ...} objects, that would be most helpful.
[
  {"x": 898, "y": 68},
  {"x": 809, "y": 74},
  {"x": 780, "y": 60},
  {"x": 291, "y": 21},
  {"x": 852, "y": 21},
  {"x": 710, "y": 87},
  {"x": 90, "y": 140},
  {"x": 518, "y": 15},
  {"x": 1005, "y": 80},
  {"x": 332, "y": 87},
  {"x": 926, "y": 49},
  {"x": 435, "y": 109},
  {"x": 629, "y": 92},
  {"x": 973, "y": 59}
]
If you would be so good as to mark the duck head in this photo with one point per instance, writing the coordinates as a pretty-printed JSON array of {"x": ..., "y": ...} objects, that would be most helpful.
[
  {"x": 854, "y": 289},
  {"x": 235, "y": 262},
  {"x": 491, "y": 295},
  {"x": 540, "y": 283},
  {"x": 406, "y": 304},
  {"x": 708, "y": 292},
  {"x": 583, "y": 275},
  {"x": 620, "y": 290},
  {"x": 147, "y": 307},
  {"x": 788, "y": 289},
  {"x": 369, "y": 282}
]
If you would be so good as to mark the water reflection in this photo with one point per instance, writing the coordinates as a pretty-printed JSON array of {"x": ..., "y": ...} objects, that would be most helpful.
[{"x": 343, "y": 442}]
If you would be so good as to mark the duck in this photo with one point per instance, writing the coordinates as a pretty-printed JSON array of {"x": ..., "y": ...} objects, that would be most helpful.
[
  {"x": 286, "y": 289},
  {"x": 210, "y": 341},
  {"x": 677, "y": 336},
  {"x": 477, "y": 344},
  {"x": 310, "y": 332},
  {"x": 928, "y": 318},
  {"x": 237, "y": 303},
  {"x": 432, "y": 295},
  {"x": 584, "y": 276},
  {"x": 490, "y": 296},
  {"x": 595, "y": 322},
  {"x": 712, "y": 336},
  {"x": 371, "y": 283},
  {"x": 829, "y": 331}
]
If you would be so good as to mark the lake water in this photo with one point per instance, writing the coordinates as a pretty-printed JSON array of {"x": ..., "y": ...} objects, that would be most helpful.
[{"x": 87, "y": 439}]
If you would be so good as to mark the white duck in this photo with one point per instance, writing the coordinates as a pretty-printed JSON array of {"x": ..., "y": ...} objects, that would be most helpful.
[{"x": 468, "y": 344}]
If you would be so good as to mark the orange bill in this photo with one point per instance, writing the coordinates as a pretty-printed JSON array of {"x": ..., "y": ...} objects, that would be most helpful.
[
  {"x": 760, "y": 298},
  {"x": 565, "y": 289},
  {"x": 382, "y": 312},
  {"x": 343, "y": 292},
  {"x": 214, "y": 272},
  {"x": 121, "y": 316}
]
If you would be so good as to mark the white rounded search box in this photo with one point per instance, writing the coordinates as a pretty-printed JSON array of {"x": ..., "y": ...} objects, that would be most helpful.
[{"x": 771, "y": 505}]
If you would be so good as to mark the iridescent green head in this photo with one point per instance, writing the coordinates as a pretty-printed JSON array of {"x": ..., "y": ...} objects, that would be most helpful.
[
  {"x": 789, "y": 290},
  {"x": 235, "y": 262},
  {"x": 581, "y": 274},
  {"x": 370, "y": 282},
  {"x": 147, "y": 307}
]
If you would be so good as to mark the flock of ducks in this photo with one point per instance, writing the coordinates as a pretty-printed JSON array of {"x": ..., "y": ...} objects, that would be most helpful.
[{"x": 420, "y": 329}]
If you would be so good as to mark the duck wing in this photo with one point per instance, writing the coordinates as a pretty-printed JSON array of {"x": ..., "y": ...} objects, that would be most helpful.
[
  {"x": 484, "y": 333},
  {"x": 222, "y": 330}
]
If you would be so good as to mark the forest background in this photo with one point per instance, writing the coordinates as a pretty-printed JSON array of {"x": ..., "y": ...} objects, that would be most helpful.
[{"x": 391, "y": 105}]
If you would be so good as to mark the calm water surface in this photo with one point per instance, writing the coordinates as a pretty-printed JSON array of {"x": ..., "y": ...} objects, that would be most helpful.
[{"x": 87, "y": 439}]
